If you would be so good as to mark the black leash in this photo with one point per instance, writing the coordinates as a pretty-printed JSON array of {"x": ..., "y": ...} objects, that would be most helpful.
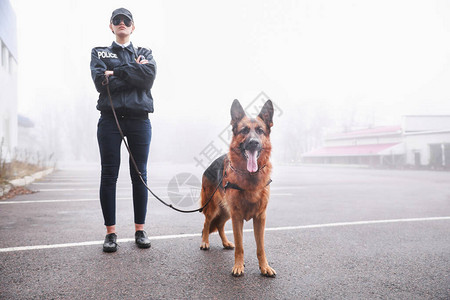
[{"x": 106, "y": 83}]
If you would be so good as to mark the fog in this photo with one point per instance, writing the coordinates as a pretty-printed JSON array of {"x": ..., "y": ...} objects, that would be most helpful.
[{"x": 327, "y": 66}]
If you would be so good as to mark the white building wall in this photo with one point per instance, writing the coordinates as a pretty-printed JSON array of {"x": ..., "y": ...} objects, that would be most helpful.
[
  {"x": 420, "y": 143},
  {"x": 426, "y": 123},
  {"x": 8, "y": 101}
]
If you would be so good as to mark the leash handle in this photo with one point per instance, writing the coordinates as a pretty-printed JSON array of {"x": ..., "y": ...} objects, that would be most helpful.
[{"x": 105, "y": 82}]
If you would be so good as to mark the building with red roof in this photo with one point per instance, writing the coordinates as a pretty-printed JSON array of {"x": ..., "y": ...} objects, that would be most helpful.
[{"x": 421, "y": 141}]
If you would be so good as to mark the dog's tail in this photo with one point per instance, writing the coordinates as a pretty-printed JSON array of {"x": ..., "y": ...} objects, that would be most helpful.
[
  {"x": 208, "y": 194},
  {"x": 214, "y": 210}
]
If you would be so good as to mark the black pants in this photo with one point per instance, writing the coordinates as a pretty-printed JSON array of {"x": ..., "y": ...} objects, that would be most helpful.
[{"x": 138, "y": 133}]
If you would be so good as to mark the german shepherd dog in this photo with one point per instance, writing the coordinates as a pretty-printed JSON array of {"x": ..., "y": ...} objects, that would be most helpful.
[{"x": 244, "y": 174}]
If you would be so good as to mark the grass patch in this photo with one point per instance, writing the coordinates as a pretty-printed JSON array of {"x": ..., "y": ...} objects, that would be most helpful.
[
  {"x": 20, "y": 164},
  {"x": 18, "y": 169}
]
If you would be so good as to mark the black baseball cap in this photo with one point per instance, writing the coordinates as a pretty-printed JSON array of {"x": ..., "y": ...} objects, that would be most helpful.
[{"x": 121, "y": 11}]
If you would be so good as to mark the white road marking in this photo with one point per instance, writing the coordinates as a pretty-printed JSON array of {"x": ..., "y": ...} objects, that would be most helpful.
[
  {"x": 340, "y": 224},
  {"x": 70, "y": 190},
  {"x": 275, "y": 187},
  {"x": 66, "y": 183},
  {"x": 180, "y": 236},
  {"x": 92, "y": 189},
  {"x": 55, "y": 200},
  {"x": 127, "y": 188},
  {"x": 93, "y": 199}
]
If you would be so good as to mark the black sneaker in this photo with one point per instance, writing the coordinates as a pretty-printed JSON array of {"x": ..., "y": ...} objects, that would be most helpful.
[
  {"x": 110, "y": 244},
  {"x": 142, "y": 240}
]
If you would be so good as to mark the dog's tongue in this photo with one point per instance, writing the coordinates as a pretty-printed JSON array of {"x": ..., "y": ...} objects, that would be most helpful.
[{"x": 252, "y": 161}]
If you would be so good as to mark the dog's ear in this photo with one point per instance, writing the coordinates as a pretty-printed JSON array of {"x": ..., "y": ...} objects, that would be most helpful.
[
  {"x": 266, "y": 113},
  {"x": 237, "y": 113}
]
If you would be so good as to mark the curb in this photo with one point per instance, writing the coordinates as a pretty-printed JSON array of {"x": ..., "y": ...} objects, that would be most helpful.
[
  {"x": 29, "y": 179},
  {"x": 4, "y": 189}
]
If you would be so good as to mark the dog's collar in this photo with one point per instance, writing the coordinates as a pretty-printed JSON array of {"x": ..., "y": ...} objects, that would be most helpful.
[
  {"x": 230, "y": 185},
  {"x": 242, "y": 172}
]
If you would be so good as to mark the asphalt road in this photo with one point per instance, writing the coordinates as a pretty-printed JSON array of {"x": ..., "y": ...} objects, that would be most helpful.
[{"x": 332, "y": 233}]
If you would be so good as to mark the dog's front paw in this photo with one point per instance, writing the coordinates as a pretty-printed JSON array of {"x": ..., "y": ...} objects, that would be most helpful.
[
  {"x": 238, "y": 270},
  {"x": 268, "y": 271},
  {"x": 204, "y": 246},
  {"x": 228, "y": 245}
]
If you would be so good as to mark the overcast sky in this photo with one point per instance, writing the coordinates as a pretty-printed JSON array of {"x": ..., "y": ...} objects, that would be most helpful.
[{"x": 382, "y": 59}]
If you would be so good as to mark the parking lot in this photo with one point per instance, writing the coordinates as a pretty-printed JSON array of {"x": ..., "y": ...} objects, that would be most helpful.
[{"x": 331, "y": 232}]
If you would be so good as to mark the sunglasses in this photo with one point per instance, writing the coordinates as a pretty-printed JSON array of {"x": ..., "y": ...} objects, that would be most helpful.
[{"x": 116, "y": 21}]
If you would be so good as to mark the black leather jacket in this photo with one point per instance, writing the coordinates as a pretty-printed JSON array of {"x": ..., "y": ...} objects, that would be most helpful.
[{"x": 132, "y": 82}]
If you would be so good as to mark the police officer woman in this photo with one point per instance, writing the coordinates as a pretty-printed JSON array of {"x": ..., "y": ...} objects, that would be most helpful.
[{"x": 131, "y": 72}]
